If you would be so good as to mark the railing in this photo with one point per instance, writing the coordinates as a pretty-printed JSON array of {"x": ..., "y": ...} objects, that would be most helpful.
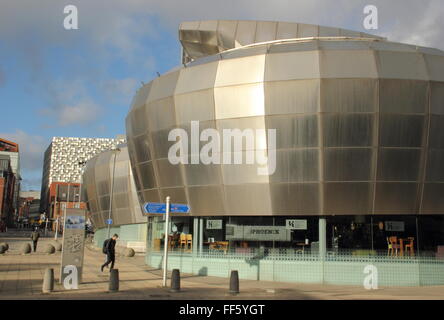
[{"x": 297, "y": 254}]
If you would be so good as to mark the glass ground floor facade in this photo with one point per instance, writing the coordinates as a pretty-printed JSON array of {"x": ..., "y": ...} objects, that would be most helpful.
[
  {"x": 396, "y": 235},
  {"x": 401, "y": 250}
]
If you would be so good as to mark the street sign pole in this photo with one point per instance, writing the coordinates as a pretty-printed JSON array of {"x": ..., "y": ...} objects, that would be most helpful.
[
  {"x": 55, "y": 213},
  {"x": 57, "y": 228},
  {"x": 165, "y": 249}
]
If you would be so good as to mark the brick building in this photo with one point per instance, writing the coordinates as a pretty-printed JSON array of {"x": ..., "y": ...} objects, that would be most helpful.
[
  {"x": 10, "y": 180},
  {"x": 7, "y": 184}
]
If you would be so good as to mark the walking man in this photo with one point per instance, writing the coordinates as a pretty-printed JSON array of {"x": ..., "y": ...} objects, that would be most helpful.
[
  {"x": 109, "y": 249},
  {"x": 35, "y": 235}
]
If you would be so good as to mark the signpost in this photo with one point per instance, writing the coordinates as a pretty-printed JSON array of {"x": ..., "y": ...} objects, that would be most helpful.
[
  {"x": 165, "y": 249},
  {"x": 109, "y": 221},
  {"x": 166, "y": 208}
]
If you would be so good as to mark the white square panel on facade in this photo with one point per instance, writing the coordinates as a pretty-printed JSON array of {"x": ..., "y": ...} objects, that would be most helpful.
[
  {"x": 435, "y": 67},
  {"x": 292, "y": 66},
  {"x": 348, "y": 64},
  {"x": 240, "y": 71},
  {"x": 239, "y": 101},
  {"x": 164, "y": 86},
  {"x": 197, "y": 78},
  {"x": 401, "y": 65}
]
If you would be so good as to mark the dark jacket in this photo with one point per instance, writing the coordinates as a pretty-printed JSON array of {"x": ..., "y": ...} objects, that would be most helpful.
[
  {"x": 110, "y": 247},
  {"x": 35, "y": 236}
]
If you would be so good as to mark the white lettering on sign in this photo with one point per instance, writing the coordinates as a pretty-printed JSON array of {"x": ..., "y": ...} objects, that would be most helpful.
[
  {"x": 259, "y": 233},
  {"x": 214, "y": 224},
  {"x": 394, "y": 226},
  {"x": 296, "y": 224}
]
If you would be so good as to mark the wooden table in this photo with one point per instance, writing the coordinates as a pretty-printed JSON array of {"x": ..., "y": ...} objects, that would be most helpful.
[
  {"x": 218, "y": 245},
  {"x": 302, "y": 244},
  {"x": 401, "y": 243}
]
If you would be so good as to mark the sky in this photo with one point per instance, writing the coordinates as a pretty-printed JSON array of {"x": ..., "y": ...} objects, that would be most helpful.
[{"x": 79, "y": 83}]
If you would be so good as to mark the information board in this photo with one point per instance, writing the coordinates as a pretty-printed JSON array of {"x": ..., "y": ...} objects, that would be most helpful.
[
  {"x": 73, "y": 247},
  {"x": 258, "y": 233}
]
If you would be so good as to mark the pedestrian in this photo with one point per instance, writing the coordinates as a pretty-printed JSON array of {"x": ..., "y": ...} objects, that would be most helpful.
[
  {"x": 35, "y": 235},
  {"x": 109, "y": 249}
]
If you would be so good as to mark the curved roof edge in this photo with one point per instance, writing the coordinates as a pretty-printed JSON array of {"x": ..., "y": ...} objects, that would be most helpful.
[{"x": 203, "y": 38}]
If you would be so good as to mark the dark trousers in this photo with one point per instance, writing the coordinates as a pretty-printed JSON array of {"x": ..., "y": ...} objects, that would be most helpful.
[
  {"x": 34, "y": 244},
  {"x": 110, "y": 258}
]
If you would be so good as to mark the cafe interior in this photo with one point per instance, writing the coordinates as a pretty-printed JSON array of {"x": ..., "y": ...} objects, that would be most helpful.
[{"x": 394, "y": 236}]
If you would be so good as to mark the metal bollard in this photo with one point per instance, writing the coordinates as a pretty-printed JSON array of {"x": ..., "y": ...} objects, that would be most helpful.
[
  {"x": 234, "y": 282},
  {"x": 175, "y": 280},
  {"x": 114, "y": 280},
  {"x": 48, "y": 281}
]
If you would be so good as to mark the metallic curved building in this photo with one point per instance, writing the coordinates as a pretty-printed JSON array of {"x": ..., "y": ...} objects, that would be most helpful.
[
  {"x": 110, "y": 173},
  {"x": 359, "y": 122}
]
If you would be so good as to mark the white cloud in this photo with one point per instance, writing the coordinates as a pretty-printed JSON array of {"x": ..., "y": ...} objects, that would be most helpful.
[
  {"x": 81, "y": 113},
  {"x": 31, "y": 147},
  {"x": 69, "y": 103},
  {"x": 120, "y": 89},
  {"x": 419, "y": 23}
]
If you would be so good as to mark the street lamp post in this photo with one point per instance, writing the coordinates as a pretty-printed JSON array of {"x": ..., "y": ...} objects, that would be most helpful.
[
  {"x": 64, "y": 213},
  {"x": 81, "y": 163},
  {"x": 55, "y": 213},
  {"x": 46, "y": 224},
  {"x": 112, "y": 190}
]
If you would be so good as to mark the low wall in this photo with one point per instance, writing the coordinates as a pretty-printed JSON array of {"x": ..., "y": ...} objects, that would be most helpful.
[{"x": 340, "y": 270}]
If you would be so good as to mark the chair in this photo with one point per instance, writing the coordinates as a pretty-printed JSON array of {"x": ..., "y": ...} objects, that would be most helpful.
[
  {"x": 174, "y": 240},
  {"x": 389, "y": 248},
  {"x": 189, "y": 239},
  {"x": 183, "y": 240},
  {"x": 171, "y": 242},
  {"x": 393, "y": 243},
  {"x": 409, "y": 246}
]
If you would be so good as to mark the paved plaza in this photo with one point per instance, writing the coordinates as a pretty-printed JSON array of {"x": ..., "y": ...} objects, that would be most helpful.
[{"x": 21, "y": 277}]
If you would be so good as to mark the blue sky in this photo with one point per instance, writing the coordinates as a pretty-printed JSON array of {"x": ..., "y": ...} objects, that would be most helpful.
[{"x": 57, "y": 82}]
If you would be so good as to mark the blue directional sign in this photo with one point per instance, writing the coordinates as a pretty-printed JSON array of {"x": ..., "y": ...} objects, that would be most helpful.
[
  {"x": 155, "y": 207},
  {"x": 109, "y": 221},
  {"x": 179, "y": 208}
]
